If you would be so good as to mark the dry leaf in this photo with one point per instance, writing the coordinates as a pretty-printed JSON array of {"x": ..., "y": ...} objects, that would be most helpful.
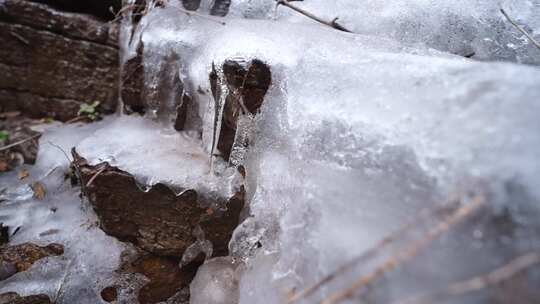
[
  {"x": 23, "y": 174},
  {"x": 39, "y": 190}
]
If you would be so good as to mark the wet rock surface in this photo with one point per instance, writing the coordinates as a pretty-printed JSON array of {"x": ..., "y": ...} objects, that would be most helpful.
[
  {"x": 51, "y": 61},
  {"x": 157, "y": 220},
  {"x": 165, "y": 281},
  {"x": 162, "y": 225},
  {"x": 13, "y": 298},
  {"x": 23, "y": 141},
  {"x": 21, "y": 257},
  {"x": 102, "y": 9},
  {"x": 247, "y": 85}
]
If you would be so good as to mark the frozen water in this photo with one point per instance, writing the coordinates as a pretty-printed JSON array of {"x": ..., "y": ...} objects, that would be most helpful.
[
  {"x": 90, "y": 257},
  {"x": 463, "y": 27},
  {"x": 355, "y": 136},
  {"x": 156, "y": 154},
  {"x": 215, "y": 283}
]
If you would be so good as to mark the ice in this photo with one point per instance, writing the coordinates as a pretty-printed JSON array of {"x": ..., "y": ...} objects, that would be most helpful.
[
  {"x": 157, "y": 154},
  {"x": 215, "y": 283},
  {"x": 90, "y": 257},
  {"x": 464, "y": 27},
  {"x": 356, "y": 135}
]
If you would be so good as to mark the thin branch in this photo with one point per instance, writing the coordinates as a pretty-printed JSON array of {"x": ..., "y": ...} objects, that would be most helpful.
[
  {"x": 332, "y": 24},
  {"x": 195, "y": 14},
  {"x": 407, "y": 253},
  {"x": 18, "y": 142},
  {"x": 91, "y": 180},
  {"x": 76, "y": 119},
  {"x": 20, "y": 38},
  {"x": 519, "y": 28},
  {"x": 61, "y": 150},
  {"x": 384, "y": 243},
  {"x": 480, "y": 282}
]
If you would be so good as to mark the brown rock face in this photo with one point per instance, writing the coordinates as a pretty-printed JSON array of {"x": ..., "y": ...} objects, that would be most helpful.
[
  {"x": 51, "y": 62},
  {"x": 156, "y": 220},
  {"x": 13, "y": 298},
  {"x": 19, "y": 258},
  {"x": 247, "y": 85},
  {"x": 167, "y": 281}
]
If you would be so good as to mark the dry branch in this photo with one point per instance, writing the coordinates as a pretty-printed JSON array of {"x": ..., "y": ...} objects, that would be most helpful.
[
  {"x": 480, "y": 282},
  {"x": 519, "y": 28},
  {"x": 332, "y": 24},
  {"x": 18, "y": 142},
  {"x": 407, "y": 253},
  {"x": 384, "y": 243}
]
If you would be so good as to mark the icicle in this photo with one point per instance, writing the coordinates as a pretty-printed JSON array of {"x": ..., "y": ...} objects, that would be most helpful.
[
  {"x": 244, "y": 129},
  {"x": 219, "y": 105}
]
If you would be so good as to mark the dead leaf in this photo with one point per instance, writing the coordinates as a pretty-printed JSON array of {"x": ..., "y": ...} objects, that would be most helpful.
[
  {"x": 23, "y": 174},
  {"x": 39, "y": 190}
]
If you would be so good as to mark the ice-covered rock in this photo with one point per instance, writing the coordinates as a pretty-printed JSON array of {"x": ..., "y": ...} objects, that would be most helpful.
[
  {"x": 474, "y": 28},
  {"x": 90, "y": 257},
  {"x": 355, "y": 136}
]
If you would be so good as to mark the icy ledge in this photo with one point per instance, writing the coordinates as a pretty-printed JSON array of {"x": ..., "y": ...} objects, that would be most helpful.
[{"x": 155, "y": 154}]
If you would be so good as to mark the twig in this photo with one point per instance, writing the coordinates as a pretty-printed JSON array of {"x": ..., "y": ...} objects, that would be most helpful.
[
  {"x": 193, "y": 13},
  {"x": 18, "y": 142},
  {"x": 452, "y": 205},
  {"x": 76, "y": 119},
  {"x": 61, "y": 150},
  {"x": 96, "y": 175},
  {"x": 20, "y": 38},
  {"x": 480, "y": 282},
  {"x": 332, "y": 24},
  {"x": 519, "y": 28},
  {"x": 75, "y": 165},
  {"x": 407, "y": 253}
]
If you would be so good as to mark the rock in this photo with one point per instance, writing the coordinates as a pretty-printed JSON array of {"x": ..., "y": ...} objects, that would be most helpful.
[
  {"x": 246, "y": 82},
  {"x": 52, "y": 62},
  {"x": 4, "y": 234},
  {"x": 167, "y": 282},
  {"x": 156, "y": 220},
  {"x": 13, "y": 298},
  {"x": 98, "y": 8},
  {"x": 19, "y": 130},
  {"x": 22, "y": 257},
  {"x": 109, "y": 294}
]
